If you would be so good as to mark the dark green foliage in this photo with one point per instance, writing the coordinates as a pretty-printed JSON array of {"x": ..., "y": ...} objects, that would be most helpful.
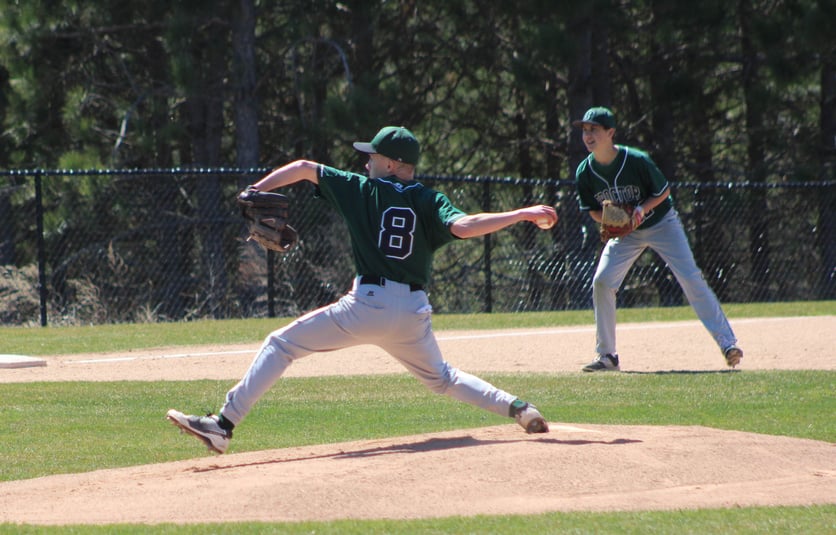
[
  {"x": 715, "y": 91},
  {"x": 484, "y": 84}
]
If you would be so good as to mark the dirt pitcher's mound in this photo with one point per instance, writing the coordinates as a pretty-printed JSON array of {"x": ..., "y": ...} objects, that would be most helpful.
[{"x": 492, "y": 470}]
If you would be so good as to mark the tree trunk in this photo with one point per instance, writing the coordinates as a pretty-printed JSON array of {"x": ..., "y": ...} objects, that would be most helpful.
[
  {"x": 175, "y": 241},
  {"x": 204, "y": 105},
  {"x": 756, "y": 105},
  {"x": 7, "y": 226},
  {"x": 662, "y": 135},
  {"x": 245, "y": 103},
  {"x": 827, "y": 217},
  {"x": 526, "y": 170},
  {"x": 589, "y": 85}
]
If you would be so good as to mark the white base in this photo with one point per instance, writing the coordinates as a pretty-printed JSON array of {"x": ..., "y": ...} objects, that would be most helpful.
[{"x": 20, "y": 361}]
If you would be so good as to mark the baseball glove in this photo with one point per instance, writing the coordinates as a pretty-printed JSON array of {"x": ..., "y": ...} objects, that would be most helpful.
[
  {"x": 266, "y": 215},
  {"x": 616, "y": 220}
]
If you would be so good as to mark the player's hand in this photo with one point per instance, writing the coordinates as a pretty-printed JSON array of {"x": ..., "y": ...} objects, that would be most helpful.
[
  {"x": 543, "y": 216},
  {"x": 638, "y": 216}
]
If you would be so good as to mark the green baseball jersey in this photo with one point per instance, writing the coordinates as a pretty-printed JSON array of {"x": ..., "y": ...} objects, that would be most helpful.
[
  {"x": 395, "y": 225},
  {"x": 631, "y": 178}
]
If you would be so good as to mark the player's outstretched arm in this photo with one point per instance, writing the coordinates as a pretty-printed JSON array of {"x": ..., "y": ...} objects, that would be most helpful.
[
  {"x": 289, "y": 174},
  {"x": 472, "y": 226}
]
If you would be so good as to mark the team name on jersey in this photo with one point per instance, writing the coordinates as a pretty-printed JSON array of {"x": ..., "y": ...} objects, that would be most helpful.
[{"x": 623, "y": 194}]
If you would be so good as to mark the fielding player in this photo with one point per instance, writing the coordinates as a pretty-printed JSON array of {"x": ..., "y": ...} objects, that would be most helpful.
[{"x": 628, "y": 176}]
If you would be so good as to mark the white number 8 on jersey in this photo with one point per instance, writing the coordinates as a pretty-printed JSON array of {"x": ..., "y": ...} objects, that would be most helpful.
[{"x": 397, "y": 228}]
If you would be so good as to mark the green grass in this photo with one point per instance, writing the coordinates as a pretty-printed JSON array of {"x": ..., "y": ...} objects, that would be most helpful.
[
  {"x": 103, "y": 338},
  {"x": 122, "y": 423},
  {"x": 816, "y": 520}
]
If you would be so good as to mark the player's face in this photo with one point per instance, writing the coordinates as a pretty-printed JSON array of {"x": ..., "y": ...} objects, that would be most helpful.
[
  {"x": 596, "y": 136},
  {"x": 378, "y": 166}
]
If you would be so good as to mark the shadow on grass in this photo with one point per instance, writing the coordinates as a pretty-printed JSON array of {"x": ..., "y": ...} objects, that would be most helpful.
[{"x": 683, "y": 372}]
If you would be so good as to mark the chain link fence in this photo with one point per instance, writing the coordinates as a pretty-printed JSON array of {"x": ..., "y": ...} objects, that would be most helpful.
[{"x": 92, "y": 247}]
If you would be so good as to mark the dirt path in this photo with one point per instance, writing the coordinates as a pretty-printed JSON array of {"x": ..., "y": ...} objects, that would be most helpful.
[
  {"x": 491, "y": 470},
  {"x": 771, "y": 343}
]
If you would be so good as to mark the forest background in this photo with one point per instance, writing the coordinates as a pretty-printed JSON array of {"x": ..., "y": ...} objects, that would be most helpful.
[{"x": 741, "y": 92}]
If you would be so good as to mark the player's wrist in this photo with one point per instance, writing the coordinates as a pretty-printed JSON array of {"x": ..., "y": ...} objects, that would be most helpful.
[{"x": 638, "y": 215}]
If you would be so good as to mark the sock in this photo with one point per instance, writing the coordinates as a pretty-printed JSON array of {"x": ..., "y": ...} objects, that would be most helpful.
[
  {"x": 225, "y": 424},
  {"x": 516, "y": 406}
]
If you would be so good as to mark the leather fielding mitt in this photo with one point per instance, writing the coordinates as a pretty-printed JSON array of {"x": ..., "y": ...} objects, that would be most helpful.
[
  {"x": 267, "y": 214},
  {"x": 616, "y": 220}
]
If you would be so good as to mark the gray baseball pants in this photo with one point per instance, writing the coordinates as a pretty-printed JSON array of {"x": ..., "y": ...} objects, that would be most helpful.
[
  {"x": 670, "y": 242},
  {"x": 391, "y": 317}
]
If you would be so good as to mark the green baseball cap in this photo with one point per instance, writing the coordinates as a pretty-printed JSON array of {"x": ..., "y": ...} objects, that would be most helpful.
[
  {"x": 598, "y": 115},
  {"x": 395, "y": 142}
]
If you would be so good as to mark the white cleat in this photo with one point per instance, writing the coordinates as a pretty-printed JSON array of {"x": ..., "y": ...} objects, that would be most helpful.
[
  {"x": 531, "y": 420},
  {"x": 205, "y": 428}
]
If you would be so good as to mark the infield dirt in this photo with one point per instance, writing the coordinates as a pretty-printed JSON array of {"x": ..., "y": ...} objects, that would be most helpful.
[{"x": 490, "y": 470}]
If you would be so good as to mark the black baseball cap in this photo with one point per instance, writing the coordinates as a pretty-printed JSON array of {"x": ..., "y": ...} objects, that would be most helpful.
[
  {"x": 598, "y": 115},
  {"x": 395, "y": 142}
]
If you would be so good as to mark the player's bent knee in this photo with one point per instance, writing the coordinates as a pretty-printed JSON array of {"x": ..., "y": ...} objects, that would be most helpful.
[
  {"x": 602, "y": 284},
  {"x": 278, "y": 349},
  {"x": 437, "y": 386},
  {"x": 439, "y": 383}
]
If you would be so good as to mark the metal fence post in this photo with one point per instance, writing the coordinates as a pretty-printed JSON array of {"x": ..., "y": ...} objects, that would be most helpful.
[
  {"x": 271, "y": 286},
  {"x": 486, "y": 206},
  {"x": 39, "y": 217}
]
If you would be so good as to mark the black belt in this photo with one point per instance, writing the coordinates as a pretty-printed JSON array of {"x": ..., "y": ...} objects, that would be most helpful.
[{"x": 380, "y": 281}]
